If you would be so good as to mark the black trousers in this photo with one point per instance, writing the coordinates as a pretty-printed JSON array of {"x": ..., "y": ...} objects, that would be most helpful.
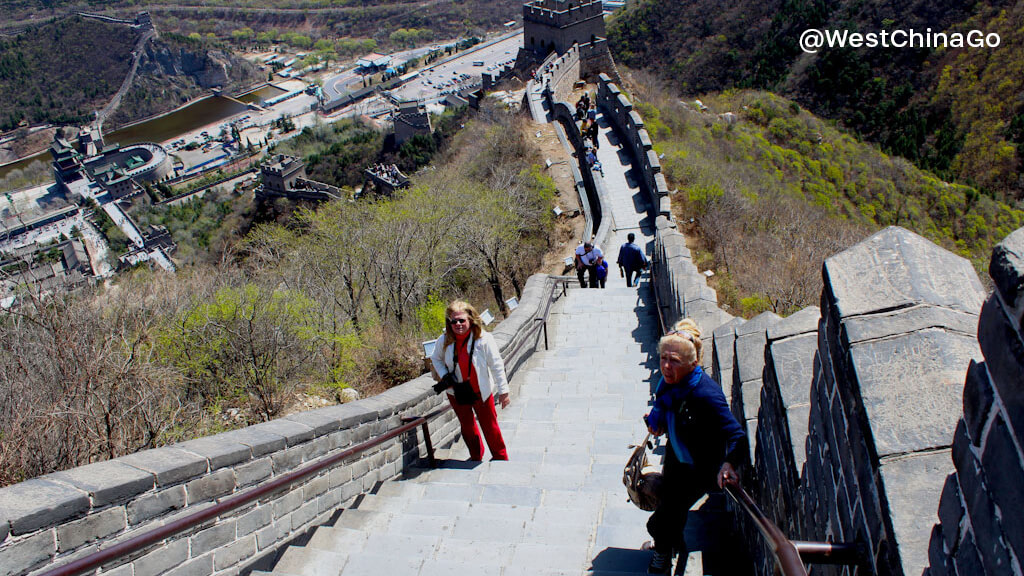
[
  {"x": 592, "y": 270},
  {"x": 680, "y": 489},
  {"x": 633, "y": 276}
]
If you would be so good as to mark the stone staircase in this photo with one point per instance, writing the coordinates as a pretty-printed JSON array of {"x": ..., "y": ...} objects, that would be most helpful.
[{"x": 558, "y": 506}]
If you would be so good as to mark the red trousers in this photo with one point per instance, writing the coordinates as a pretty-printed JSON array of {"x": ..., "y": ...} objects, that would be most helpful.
[{"x": 488, "y": 418}]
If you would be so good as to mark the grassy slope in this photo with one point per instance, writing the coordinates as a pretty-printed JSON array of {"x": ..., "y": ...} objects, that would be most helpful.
[
  {"x": 775, "y": 152},
  {"x": 955, "y": 112}
]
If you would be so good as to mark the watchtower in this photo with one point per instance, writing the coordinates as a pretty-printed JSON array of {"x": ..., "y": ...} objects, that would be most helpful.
[{"x": 554, "y": 25}]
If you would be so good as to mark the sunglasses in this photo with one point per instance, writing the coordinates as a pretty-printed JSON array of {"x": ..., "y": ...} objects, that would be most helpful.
[
  {"x": 457, "y": 320},
  {"x": 682, "y": 333}
]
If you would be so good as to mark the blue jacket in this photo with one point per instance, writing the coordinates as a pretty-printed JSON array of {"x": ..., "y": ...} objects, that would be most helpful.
[
  {"x": 704, "y": 424},
  {"x": 631, "y": 256}
]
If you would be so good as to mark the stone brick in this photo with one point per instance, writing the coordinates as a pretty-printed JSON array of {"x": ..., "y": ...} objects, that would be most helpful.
[
  {"x": 156, "y": 504},
  {"x": 38, "y": 503},
  {"x": 340, "y": 475},
  {"x": 304, "y": 515},
  {"x": 340, "y": 439},
  {"x": 234, "y": 553},
  {"x": 211, "y": 486},
  {"x": 123, "y": 570},
  {"x": 272, "y": 534},
  {"x": 293, "y": 431},
  {"x": 22, "y": 556},
  {"x": 254, "y": 520},
  {"x": 1005, "y": 478},
  {"x": 202, "y": 566},
  {"x": 914, "y": 484},
  {"x": 169, "y": 465},
  {"x": 253, "y": 472},
  {"x": 162, "y": 559},
  {"x": 927, "y": 366},
  {"x": 1007, "y": 269},
  {"x": 896, "y": 268},
  {"x": 212, "y": 538},
  {"x": 260, "y": 441},
  {"x": 978, "y": 397},
  {"x": 219, "y": 451},
  {"x": 1004, "y": 359},
  {"x": 315, "y": 487},
  {"x": 318, "y": 448},
  {"x": 107, "y": 482},
  {"x": 329, "y": 501},
  {"x": 967, "y": 558},
  {"x": 287, "y": 504},
  {"x": 937, "y": 557},
  {"x": 906, "y": 320},
  {"x": 980, "y": 509},
  {"x": 287, "y": 460},
  {"x": 95, "y": 526},
  {"x": 951, "y": 511}
]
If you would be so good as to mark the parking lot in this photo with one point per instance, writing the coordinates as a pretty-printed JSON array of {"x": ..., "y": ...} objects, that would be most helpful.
[{"x": 463, "y": 71}]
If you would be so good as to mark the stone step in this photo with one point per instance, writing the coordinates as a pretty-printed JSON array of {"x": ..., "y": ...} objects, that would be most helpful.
[{"x": 305, "y": 561}]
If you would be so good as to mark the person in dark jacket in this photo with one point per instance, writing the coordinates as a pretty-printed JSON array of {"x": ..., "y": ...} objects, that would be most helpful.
[
  {"x": 631, "y": 259},
  {"x": 705, "y": 442}
]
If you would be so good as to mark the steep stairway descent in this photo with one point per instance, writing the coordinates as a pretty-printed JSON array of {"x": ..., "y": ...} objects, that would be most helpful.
[{"x": 558, "y": 506}]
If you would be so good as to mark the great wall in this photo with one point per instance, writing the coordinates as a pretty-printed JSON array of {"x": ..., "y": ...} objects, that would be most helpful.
[{"x": 890, "y": 417}]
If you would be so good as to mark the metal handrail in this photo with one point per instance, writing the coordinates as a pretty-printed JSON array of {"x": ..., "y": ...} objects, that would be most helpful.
[
  {"x": 789, "y": 555},
  {"x": 159, "y": 533},
  {"x": 136, "y": 543}
]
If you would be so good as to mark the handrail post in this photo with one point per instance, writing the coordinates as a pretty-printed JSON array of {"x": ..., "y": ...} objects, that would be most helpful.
[
  {"x": 545, "y": 334},
  {"x": 430, "y": 445}
]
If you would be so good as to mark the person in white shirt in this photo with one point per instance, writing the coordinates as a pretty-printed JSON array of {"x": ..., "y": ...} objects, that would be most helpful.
[
  {"x": 470, "y": 369},
  {"x": 587, "y": 258}
]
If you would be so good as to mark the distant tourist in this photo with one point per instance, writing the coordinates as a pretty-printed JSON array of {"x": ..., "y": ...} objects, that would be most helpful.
[
  {"x": 470, "y": 369},
  {"x": 593, "y": 162},
  {"x": 601, "y": 269},
  {"x": 631, "y": 260},
  {"x": 587, "y": 258},
  {"x": 705, "y": 442},
  {"x": 591, "y": 134}
]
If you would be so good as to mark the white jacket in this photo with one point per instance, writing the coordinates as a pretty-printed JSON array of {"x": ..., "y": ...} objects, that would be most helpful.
[{"x": 487, "y": 363}]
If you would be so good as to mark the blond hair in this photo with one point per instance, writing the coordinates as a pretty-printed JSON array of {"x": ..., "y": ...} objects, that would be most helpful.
[
  {"x": 475, "y": 322},
  {"x": 687, "y": 334}
]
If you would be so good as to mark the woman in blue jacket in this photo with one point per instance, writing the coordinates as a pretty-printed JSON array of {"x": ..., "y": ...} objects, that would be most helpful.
[{"x": 705, "y": 442}]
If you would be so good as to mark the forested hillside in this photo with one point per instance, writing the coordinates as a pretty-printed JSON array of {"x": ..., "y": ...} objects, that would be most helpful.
[
  {"x": 957, "y": 112},
  {"x": 773, "y": 190},
  {"x": 60, "y": 73},
  {"x": 347, "y": 24},
  {"x": 291, "y": 316}
]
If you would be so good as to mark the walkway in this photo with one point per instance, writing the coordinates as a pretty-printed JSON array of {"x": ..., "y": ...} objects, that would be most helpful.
[{"x": 559, "y": 506}]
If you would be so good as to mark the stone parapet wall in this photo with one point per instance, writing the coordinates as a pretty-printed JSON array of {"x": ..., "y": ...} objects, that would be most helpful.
[
  {"x": 979, "y": 530},
  {"x": 897, "y": 332},
  {"x": 561, "y": 73},
  {"x": 682, "y": 290},
  {"x": 51, "y": 520},
  {"x": 630, "y": 127},
  {"x": 856, "y": 404},
  {"x": 783, "y": 419}
]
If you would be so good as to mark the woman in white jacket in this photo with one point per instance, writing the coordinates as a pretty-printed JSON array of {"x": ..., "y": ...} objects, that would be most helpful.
[{"x": 468, "y": 362}]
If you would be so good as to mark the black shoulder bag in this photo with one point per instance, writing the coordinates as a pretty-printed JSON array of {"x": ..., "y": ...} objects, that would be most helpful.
[{"x": 463, "y": 390}]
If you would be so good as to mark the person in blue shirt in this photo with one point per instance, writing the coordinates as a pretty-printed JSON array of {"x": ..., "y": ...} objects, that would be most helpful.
[
  {"x": 601, "y": 269},
  {"x": 631, "y": 260},
  {"x": 705, "y": 442}
]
